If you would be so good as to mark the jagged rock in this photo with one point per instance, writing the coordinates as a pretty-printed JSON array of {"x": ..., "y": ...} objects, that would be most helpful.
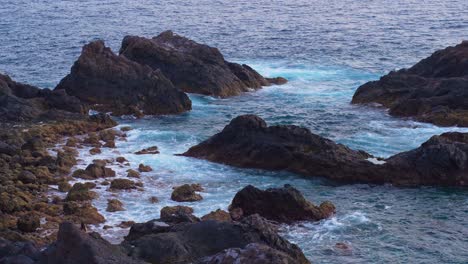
[
  {"x": 22, "y": 102},
  {"x": 193, "y": 242},
  {"x": 133, "y": 173},
  {"x": 64, "y": 186},
  {"x": 80, "y": 192},
  {"x": 193, "y": 67},
  {"x": 27, "y": 177},
  {"x": 218, "y": 215},
  {"x": 253, "y": 253},
  {"x": 18, "y": 252},
  {"x": 433, "y": 90},
  {"x": 116, "y": 84},
  {"x": 122, "y": 184},
  {"x": 186, "y": 193},
  {"x": 114, "y": 205},
  {"x": 74, "y": 246},
  {"x": 29, "y": 222},
  {"x": 82, "y": 212},
  {"x": 144, "y": 168},
  {"x": 248, "y": 142},
  {"x": 178, "y": 214},
  {"x": 150, "y": 150},
  {"x": 279, "y": 204}
]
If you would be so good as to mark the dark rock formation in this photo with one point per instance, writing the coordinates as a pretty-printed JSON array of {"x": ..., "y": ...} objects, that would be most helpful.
[
  {"x": 442, "y": 160},
  {"x": 74, "y": 246},
  {"x": 122, "y": 184},
  {"x": 248, "y": 142},
  {"x": 186, "y": 193},
  {"x": 150, "y": 150},
  {"x": 22, "y": 102},
  {"x": 116, "y": 84},
  {"x": 18, "y": 252},
  {"x": 193, "y": 242},
  {"x": 193, "y": 67},
  {"x": 178, "y": 214},
  {"x": 114, "y": 205},
  {"x": 253, "y": 254},
  {"x": 434, "y": 90},
  {"x": 279, "y": 204}
]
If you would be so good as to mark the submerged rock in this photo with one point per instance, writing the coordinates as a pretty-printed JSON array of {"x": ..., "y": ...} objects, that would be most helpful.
[
  {"x": 150, "y": 150},
  {"x": 193, "y": 67},
  {"x": 279, "y": 204},
  {"x": 194, "y": 242},
  {"x": 112, "y": 83},
  {"x": 248, "y": 142},
  {"x": 434, "y": 90}
]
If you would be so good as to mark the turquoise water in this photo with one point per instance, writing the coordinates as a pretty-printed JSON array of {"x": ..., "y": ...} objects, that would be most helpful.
[
  {"x": 379, "y": 223},
  {"x": 326, "y": 48}
]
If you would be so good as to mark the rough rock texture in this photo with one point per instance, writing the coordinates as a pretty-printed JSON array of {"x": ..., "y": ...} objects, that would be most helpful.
[
  {"x": 22, "y": 102},
  {"x": 253, "y": 254},
  {"x": 178, "y": 214},
  {"x": 248, "y": 142},
  {"x": 192, "y": 242},
  {"x": 442, "y": 160},
  {"x": 279, "y": 204},
  {"x": 434, "y": 90},
  {"x": 186, "y": 193},
  {"x": 18, "y": 252},
  {"x": 74, "y": 246},
  {"x": 193, "y": 67},
  {"x": 113, "y": 83},
  {"x": 218, "y": 215},
  {"x": 122, "y": 184},
  {"x": 114, "y": 205}
]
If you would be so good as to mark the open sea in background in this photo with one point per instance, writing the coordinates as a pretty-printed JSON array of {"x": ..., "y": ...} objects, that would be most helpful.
[{"x": 326, "y": 49}]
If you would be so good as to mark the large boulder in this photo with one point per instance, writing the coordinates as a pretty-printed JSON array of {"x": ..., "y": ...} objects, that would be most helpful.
[
  {"x": 74, "y": 246},
  {"x": 186, "y": 193},
  {"x": 113, "y": 83},
  {"x": 442, "y": 160},
  {"x": 434, "y": 90},
  {"x": 279, "y": 204},
  {"x": 22, "y": 102},
  {"x": 248, "y": 142},
  {"x": 192, "y": 242},
  {"x": 193, "y": 67},
  {"x": 253, "y": 254}
]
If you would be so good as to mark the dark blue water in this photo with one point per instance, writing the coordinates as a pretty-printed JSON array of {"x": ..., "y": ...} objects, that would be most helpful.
[{"x": 326, "y": 49}]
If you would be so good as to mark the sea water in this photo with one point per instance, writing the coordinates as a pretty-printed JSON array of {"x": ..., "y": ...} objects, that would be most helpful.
[{"x": 326, "y": 49}]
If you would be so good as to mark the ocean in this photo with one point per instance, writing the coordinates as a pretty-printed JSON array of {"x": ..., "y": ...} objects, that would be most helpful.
[{"x": 326, "y": 49}]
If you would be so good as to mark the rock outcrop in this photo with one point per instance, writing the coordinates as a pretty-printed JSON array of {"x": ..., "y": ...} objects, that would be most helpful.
[
  {"x": 193, "y": 67},
  {"x": 195, "y": 242},
  {"x": 284, "y": 205},
  {"x": 113, "y": 83},
  {"x": 434, "y": 90},
  {"x": 186, "y": 193},
  {"x": 74, "y": 246},
  {"x": 22, "y": 102},
  {"x": 248, "y": 142}
]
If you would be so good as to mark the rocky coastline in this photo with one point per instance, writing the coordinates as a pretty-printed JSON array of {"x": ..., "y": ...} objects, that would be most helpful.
[
  {"x": 434, "y": 90},
  {"x": 43, "y": 130}
]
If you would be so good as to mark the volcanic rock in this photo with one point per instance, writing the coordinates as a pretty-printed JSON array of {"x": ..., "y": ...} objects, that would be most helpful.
[
  {"x": 193, "y": 67},
  {"x": 433, "y": 90},
  {"x": 113, "y": 83}
]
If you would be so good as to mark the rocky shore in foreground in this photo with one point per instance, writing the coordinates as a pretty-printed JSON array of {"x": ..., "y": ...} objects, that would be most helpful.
[
  {"x": 434, "y": 90},
  {"x": 248, "y": 142},
  {"x": 43, "y": 129}
]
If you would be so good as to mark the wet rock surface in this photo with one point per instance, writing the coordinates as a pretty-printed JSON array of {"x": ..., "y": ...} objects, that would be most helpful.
[
  {"x": 186, "y": 193},
  {"x": 249, "y": 143},
  {"x": 113, "y": 83},
  {"x": 433, "y": 90},
  {"x": 284, "y": 205},
  {"x": 192, "y": 242},
  {"x": 193, "y": 67}
]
